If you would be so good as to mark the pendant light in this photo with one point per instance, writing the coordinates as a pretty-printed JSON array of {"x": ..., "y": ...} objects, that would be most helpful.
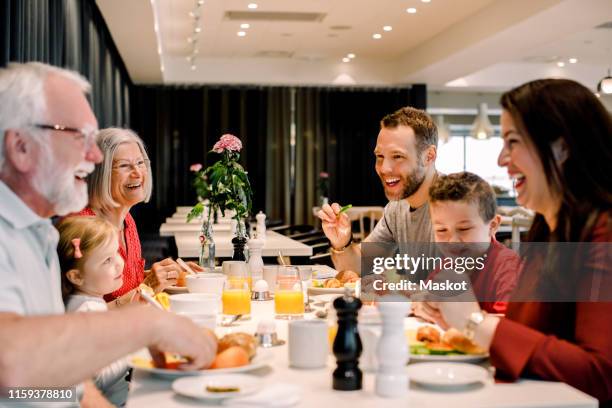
[
  {"x": 482, "y": 129},
  {"x": 605, "y": 85}
]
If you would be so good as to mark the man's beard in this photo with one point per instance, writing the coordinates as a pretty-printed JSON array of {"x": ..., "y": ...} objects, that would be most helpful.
[
  {"x": 58, "y": 184},
  {"x": 414, "y": 180}
]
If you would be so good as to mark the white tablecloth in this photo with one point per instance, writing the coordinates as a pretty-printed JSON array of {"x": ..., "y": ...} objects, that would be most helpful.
[
  {"x": 148, "y": 391},
  {"x": 168, "y": 229},
  {"x": 188, "y": 244}
]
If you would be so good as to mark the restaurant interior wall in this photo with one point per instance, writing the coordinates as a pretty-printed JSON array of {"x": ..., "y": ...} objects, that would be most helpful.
[{"x": 71, "y": 34}]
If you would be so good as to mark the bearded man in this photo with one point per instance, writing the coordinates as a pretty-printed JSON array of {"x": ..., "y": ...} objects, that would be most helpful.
[{"x": 405, "y": 152}]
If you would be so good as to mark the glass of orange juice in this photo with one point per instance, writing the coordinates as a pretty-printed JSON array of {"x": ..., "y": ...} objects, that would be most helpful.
[
  {"x": 288, "y": 294},
  {"x": 237, "y": 269},
  {"x": 236, "y": 296}
]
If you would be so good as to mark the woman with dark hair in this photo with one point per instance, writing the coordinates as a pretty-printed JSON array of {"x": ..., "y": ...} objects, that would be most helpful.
[{"x": 558, "y": 149}]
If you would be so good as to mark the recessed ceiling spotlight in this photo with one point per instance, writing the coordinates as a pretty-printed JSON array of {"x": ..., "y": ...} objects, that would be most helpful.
[
  {"x": 377, "y": 36},
  {"x": 426, "y": 1},
  {"x": 573, "y": 60},
  {"x": 193, "y": 67},
  {"x": 252, "y": 6},
  {"x": 197, "y": 29},
  {"x": 245, "y": 26},
  {"x": 411, "y": 10},
  {"x": 241, "y": 33},
  {"x": 560, "y": 64},
  {"x": 200, "y": 2},
  {"x": 191, "y": 40},
  {"x": 345, "y": 59},
  {"x": 351, "y": 55},
  {"x": 387, "y": 28},
  {"x": 161, "y": 68}
]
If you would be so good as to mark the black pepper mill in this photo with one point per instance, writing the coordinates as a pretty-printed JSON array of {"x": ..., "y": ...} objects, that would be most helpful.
[{"x": 347, "y": 346}]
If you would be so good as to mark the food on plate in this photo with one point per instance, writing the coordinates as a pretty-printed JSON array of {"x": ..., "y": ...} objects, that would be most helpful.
[
  {"x": 244, "y": 340},
  {"x": 163, "y": 299},
  {"x": 347, "y": 276},
  {"x": 234, "y": 356},
  {"x": 332, "y": 283},
  {"x": 452, "y": 342},
  {"x": 224, "y": 388},
  {"x": 459, "y": 342},
  {"x": 428, "y": 334}
]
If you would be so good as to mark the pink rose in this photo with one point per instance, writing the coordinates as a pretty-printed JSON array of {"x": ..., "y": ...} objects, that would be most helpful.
[
  {"x": 323, "y": 174},
  {"x": 227, "y": 142},
  {"x": 195, "y": 167}
]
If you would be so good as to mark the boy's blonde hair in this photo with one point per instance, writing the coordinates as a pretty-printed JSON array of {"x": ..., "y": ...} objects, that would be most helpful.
[
  {"x": 93, "y": 232},
  {"x": 465, "y": 186}
]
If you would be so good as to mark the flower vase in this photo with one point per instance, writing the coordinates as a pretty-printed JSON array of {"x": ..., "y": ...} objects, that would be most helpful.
[
  {"x": 239, "y": 242},
  {"x": 207, "y": 245}
]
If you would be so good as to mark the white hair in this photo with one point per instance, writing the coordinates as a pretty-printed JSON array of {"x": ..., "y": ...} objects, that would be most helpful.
[
  {"x": 22, "y": 95},
  {"x": 99, "y": 182}
]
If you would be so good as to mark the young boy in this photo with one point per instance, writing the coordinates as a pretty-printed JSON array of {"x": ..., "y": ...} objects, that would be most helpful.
[{"x": 463, "y": 213}]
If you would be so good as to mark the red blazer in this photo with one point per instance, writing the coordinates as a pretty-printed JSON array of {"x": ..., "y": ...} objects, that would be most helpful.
[
  {"x": 133, "y": 271},
  {"x": 568, "y": 342}
]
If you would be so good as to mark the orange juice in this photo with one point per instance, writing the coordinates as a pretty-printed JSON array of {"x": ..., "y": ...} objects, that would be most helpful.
[
  {"x": 236, "y": 301},
  {"x": 331, "y": 334},
  {"x": 236, "y": 282},
  {"x": 289, "y": 302}
]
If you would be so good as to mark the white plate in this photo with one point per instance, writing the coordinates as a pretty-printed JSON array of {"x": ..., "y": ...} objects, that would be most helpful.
[
  {"x": 195, "y": 387},
  {"x": 138, "y": 362},
  {"x": 322, "y": 271},
  {"x": 324, "y": 298},
  {"x": 173, "y": 290},
  {"x": 460, "y": 358},
  {"x": 446, "y": 375}
]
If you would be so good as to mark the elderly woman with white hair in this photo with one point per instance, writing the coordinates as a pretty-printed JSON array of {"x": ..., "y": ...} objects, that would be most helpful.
[{"x": 120, "y": 181}]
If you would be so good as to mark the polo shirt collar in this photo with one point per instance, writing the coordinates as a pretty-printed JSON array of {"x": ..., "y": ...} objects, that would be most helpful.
[{"x": 15, "y": 211}]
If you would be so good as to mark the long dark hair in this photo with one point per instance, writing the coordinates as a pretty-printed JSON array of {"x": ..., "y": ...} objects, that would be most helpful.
[
  {"x": 547, "y": 110},
  {"x": 550, "y": 111}
]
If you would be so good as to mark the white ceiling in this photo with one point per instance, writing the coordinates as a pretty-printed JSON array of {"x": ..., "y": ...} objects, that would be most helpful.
[{"x": 484, "y": 45}]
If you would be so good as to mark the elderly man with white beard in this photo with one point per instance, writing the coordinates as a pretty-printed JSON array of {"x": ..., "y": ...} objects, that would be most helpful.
[{"x": 47, "y": 149}]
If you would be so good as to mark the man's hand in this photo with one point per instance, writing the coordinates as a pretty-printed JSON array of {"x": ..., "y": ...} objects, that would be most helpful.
[
  {"x": 179, "y": 335},
  {"x": 336, "y": 226}
]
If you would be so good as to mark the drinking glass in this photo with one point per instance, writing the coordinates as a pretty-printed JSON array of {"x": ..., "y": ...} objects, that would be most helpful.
[
  {"x": 236, "y": 297},
  {"x": 288, "y": 294}
]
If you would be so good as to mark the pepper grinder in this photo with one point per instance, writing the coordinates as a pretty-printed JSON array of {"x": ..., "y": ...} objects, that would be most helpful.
[
  {"x": 261, "y": 225},
  {"x": 392, "y": 350},
  {"x": 347, "y": 345}
]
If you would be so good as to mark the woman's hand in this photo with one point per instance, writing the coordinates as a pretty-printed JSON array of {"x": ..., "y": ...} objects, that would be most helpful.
[
  {"x": 163, "y": 274},
  {"x": 194, "y": 267},
  {"x": 429, "y": 311}
]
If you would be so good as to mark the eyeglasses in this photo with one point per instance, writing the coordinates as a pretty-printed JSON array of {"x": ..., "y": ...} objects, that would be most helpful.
[
  {"x": 125, "y": 166},
  {"x": 87, "y": 134}
]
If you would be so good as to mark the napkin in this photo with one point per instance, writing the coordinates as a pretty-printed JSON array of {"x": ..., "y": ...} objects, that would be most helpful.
[{"x": 275, "y": 396}]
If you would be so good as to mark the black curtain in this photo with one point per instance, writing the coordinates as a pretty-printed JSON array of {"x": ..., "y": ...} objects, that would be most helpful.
[
  {"x": 180, "y": 125},
  {"x": 70, "y": 34},
  {"x": 336, "y": 133}
]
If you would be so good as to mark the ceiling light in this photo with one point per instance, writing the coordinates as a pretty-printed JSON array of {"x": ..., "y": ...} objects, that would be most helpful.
[
  {"x": 377, "y": 36},
  {"x": 387, "y": 28},
  {"x": 200, "y": 2},
  {"x": 351, "y": 55},
  {"x": 346, "y": 59},
  {"x": 605, "y": 85},
  {"x": 252, "y": 6},
  {"x": 192, "y": 40},
  {"x": 573, "y": 60},
  {"x": 245, "y": 25},
  {"x": 197, "y": 30},
  {"x": 482, "y": 129},
  {"x": 426, "y": 1},
  {"x": 560, "y": 64},
  {"x": 193, "y": 67},
  {"x": 411, "y": 10},
  {"x": 241, "y": 33}
]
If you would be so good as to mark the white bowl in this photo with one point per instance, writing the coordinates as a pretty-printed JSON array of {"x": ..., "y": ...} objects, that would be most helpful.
[
  {"x": 199, "y": 303},
  {"x": 206, "y": 282},
  {"x": 207, "y": 320}
]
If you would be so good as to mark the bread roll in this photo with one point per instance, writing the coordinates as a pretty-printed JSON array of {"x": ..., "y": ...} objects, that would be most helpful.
[
  {"x": 459, "y": 342},
  {"x": 428, "y": 334},
  {"x": 347, "y": 276},
  {"x": 244, "y": 340},
  {"x": 333, "y": 283}
]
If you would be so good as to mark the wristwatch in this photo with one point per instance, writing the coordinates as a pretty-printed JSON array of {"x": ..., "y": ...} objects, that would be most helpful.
[
  {"x": 475, "y": 319},
  {"x": 341, "y": 250}
]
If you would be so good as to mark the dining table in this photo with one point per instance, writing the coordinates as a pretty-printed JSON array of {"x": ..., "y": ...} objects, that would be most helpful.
[
  {"x": 315, "y": 385},
  {"x": 188, "y": 245}
]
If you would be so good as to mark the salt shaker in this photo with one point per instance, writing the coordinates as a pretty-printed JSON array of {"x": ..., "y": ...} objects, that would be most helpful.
[
  {"x": 392, "y": 349},
  {"x": 347, "y": 345},
  {"x": 261, "y": 225},
  {"x": 255, "y": 260}
]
